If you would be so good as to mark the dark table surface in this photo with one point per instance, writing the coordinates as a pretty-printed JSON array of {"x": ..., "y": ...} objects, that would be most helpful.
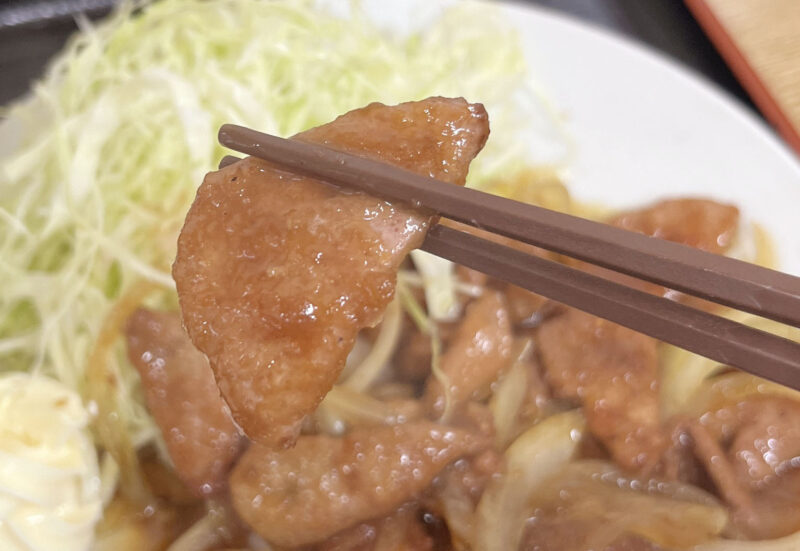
[{"x": 32, "y": 31}]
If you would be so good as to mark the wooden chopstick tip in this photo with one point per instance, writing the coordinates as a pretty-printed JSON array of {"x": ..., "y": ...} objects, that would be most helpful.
[
  {"x": 224, "y": 132},
  {"x": 228, "y": 160}
]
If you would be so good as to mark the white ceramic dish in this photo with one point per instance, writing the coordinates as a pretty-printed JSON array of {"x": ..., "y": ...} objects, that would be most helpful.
[{"x": 645, "y": 127}]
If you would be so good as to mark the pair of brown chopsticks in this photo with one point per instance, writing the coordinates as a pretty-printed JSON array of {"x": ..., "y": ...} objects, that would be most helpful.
[{"x": 720, "y": 279}]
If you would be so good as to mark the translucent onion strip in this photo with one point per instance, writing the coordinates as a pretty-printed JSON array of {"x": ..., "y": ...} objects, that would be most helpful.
[
  {"x": 426, "y": 325},
  {"x": 788, "y": 543},
  {"x": 343, "y": 407},
  {"x": 413, "y": 279},
  {"x": 370, "y": 368},
  {"x": 105, "y": 394},
  {"x": 732, "y": 388},
  {"x": 535, "y": 456},
  {"x": 438, "y": 278},
  {"x": 606, "y": 503},
  {"x": 509, "y": 395}
]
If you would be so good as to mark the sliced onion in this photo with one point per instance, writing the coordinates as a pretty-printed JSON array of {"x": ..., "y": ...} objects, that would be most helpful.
[
  {"x": 458, "y": 511},
  {"x": 788, "y": 543},
  {"x": 124, "y": 528},
  {"x": 343, "y": 407},
  {"x": 206, "y": 533},
  {"x": 539, "y": 453},
  {"x": 732, "y": 388},
  {"x": 370, "y": 368},
  {"x": 509, "y": 396},
  {"x": 605, "y": 504}
]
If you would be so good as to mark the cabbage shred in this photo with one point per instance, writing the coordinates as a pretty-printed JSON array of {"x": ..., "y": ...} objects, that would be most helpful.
[{"x": 100, "y": 163}]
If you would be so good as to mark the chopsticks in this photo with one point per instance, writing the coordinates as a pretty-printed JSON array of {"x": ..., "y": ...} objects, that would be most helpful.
[
  {"x": 715, "y": 337},
  {"x": 716, "y": 278},
  {"x": 723, "y": 280}
]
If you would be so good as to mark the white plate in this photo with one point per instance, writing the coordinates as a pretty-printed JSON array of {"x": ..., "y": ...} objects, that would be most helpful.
[{"x": 646, "y": 128}]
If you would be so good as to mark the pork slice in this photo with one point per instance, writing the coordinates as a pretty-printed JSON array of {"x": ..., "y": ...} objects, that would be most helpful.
[
  {"x": 201, "y": 438},
  {"x": 277, "y": 273}
]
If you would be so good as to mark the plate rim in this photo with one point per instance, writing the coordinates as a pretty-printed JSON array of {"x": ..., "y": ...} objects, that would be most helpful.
[{"x": 651, "y": 54}]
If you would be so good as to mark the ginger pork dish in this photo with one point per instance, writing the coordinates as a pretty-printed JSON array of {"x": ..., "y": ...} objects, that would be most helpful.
[
  {"x": 511, "y": 422},
  {"x": 248, "y": 358}
]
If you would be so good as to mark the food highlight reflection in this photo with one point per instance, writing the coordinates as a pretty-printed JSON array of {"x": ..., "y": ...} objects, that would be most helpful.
[{"x": 331, "y": 391}]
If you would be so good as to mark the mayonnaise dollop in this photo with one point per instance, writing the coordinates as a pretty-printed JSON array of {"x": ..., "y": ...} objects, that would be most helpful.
[{"x": 49, "y": 482}]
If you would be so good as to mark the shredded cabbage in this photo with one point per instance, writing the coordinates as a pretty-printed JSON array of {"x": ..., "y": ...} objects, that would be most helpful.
[{"x": 103, "y": 158}]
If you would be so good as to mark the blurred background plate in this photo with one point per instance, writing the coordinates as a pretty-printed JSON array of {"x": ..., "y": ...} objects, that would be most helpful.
[{"x": 645, "y": 127}]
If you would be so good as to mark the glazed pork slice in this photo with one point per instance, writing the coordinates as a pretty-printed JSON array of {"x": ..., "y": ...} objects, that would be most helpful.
[
  {"x": 277, "y": 273},
  {"x": 750, "y": 447},
  {"x": 324, "y": 484},
  {"x": 403, "y": 530},
  {"x": 478, "y": 353},
  {"x": 179, "y": 387},
  {"x": 613, "y": 370},
  {"x": 700, "y": 223}
]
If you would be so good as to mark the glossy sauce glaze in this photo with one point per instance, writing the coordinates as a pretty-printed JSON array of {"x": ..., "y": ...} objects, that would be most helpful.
[
  {"x": 613, "y": 370},
  {"x": 751, "y": 450},
  {"x": 476, "y": 355},
  {"x": 277, "y": 273},
  {"x": 179, "y": 386},
  {"x": 324, "y": 485},
  {"x": 359, "y": 491}
]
